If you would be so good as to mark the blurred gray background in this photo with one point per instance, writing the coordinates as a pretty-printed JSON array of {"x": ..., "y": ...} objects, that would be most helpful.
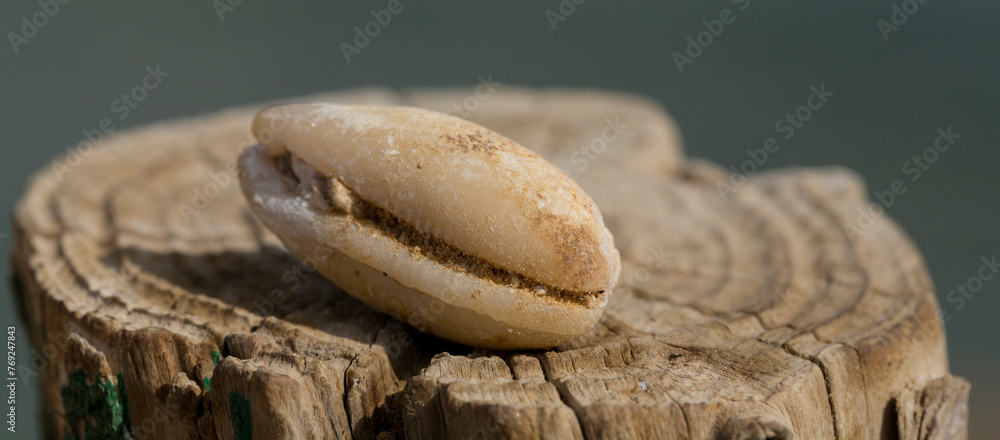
[{"x": 938, "y": 68}]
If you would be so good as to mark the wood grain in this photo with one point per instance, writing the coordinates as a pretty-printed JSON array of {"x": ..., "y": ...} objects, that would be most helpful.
[{"x": 164, "y": 310}]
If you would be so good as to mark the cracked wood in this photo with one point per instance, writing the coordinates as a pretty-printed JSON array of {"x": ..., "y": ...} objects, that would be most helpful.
[{"x": 753, "y": 316}]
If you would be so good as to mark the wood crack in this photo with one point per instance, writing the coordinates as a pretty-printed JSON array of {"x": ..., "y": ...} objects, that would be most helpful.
[{"x": 764, "y": 313}]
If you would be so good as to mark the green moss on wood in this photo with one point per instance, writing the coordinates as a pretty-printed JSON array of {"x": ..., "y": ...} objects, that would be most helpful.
[
  {"x": 206, "y": 382},
  {"x": 94, "y": 407},
  {"x": 239, "y": 414}
]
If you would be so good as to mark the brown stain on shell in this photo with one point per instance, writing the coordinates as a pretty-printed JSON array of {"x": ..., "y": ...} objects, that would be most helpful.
[{"x": 576, "y": 244}]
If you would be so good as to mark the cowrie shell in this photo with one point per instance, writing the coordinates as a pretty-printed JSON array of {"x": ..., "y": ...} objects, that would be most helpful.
[{"x": 435, "y": 220}]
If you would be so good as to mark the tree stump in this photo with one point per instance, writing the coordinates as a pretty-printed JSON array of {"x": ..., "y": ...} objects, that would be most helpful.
[{"x": 162, "y": 309}]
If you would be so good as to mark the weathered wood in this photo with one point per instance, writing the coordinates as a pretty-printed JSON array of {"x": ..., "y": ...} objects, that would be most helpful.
[{"x": 171, "y": 313}]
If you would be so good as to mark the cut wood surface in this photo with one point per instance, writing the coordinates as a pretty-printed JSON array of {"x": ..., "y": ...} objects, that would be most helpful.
[{"x": 163, "y": 309}]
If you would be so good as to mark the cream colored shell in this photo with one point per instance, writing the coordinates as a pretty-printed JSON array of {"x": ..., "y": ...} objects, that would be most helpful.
[{"x": 473, "y": 189}]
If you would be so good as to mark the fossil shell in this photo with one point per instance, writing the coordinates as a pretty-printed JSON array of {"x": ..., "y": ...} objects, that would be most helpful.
[{"x": 437, "y": 221}]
